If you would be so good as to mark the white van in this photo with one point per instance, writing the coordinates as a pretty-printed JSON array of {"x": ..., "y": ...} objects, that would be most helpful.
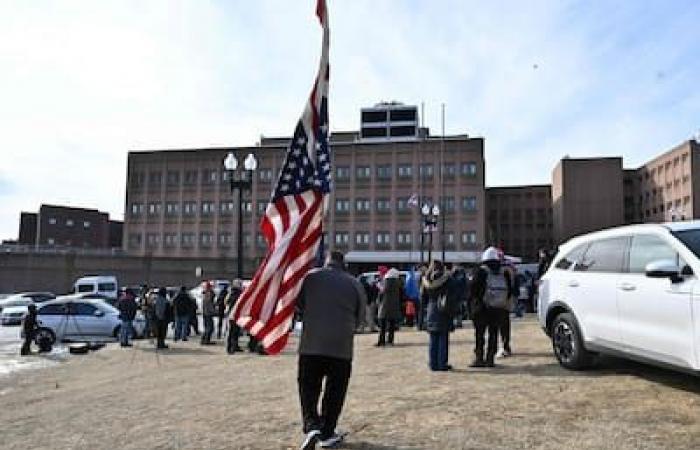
[
  {"x": 630, "y": 291},
  {"x": 101, "y": 284}
]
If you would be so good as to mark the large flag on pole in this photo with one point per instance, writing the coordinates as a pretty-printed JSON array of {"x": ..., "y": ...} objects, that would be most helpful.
[{"x": 293, "y": 221}]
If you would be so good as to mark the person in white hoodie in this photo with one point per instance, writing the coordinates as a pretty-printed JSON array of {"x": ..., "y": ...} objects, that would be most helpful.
[{"x": 389, "y": 312}]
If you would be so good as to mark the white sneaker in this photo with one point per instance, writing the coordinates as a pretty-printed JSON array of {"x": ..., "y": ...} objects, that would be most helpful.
[
  {"x": 332, "y": 441},
  {"x": 312, "y": 438}
]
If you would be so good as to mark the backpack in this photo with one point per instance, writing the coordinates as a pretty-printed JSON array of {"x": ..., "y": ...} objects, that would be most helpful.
[{"x": 496, "y": 292}]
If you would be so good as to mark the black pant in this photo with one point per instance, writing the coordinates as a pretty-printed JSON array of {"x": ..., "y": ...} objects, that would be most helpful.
[
  {"x": 386, "y": 325},
  {"x": 312, "y": 371},
  {"x": 219, "y": 326},
  {"x": 484, "y": 320},
  {"x": 27, "y": 344},
  {"x": 208, "y": 329},
  {"x": 504, "y": 327},
  {"x": 161, "y": 331}
]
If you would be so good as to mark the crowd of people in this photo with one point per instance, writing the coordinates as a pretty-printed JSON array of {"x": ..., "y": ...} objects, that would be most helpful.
[{"x": 180, "y": 312}]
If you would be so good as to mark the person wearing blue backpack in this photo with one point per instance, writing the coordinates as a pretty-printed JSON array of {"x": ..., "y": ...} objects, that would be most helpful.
[{"x": 491, "y": 292}]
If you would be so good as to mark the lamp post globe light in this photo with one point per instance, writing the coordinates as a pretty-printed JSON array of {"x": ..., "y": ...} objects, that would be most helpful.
[
  {"x": 244, "y": 182},
  {"x": 430, "y": 218}
]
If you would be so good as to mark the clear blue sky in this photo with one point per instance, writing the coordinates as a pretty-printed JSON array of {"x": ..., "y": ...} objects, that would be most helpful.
[{"x": 82, "y": 82}]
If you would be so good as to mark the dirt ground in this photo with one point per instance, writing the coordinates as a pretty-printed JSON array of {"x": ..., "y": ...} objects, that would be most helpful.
[{"x": 194, "y": 397}]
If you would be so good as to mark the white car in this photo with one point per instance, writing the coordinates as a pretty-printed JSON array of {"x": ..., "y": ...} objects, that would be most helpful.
[
  {"x": 13, "y": 315},
  {"x": 72, "y": 318},
  {"x": 631, "y": 291},
  {"x": 24, "y": 297}
]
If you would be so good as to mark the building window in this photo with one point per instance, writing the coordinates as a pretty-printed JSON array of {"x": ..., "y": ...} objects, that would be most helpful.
[
  {"x": 247, "y": 206},
  {"x": 469, "y": 238},
  {"x": 384, "y": 172},
  {"x": 341, "y": 238},
  {"x": 362, "y": 205},
  {"x": 172, "y": 209},
  {"x": 224, "y": 240},
  {"x": 155, "y": 178},
  {"x": 208, "y": 208},
  {"x": 468, "y": 169},
  {"x": 342, "y": 173},
  {"x": 342, "y": 205},
  {"x": 447, "y": 204},
  {"x": 403, "y": 238},
  {"x": 262, "y": 207},
  {"x": 246, "y": 239},
  {"x": 189, "y": 208},
  {"x": 173, "y": 178},
  {"x": 69, "y": 222},
  {"x": 383, "y": 238},
  {"x": 402, "y": 205},
  {"x": 154, "y": 209},
  {"x": 405, "y": 171},
  {"x": 226, "y": 208},
  {"x": 383, "y": 205},
  {"x": 209, "y": 176},
  {"x": 362, "y": 239},
  {"x": 135, "y": 240},
  {"x": 265, "y": 175},
  {"x": 191, "y": 177},
  {"x": 136, "y": 179},
  {"x": 52, "y": 221},
  {"x": 449, "y": 170},
  {"x": 450, "y": 239},
  {"x": 206, "y": 239},
  {"x": 169, "y": 240},
  {"x": 86, "y": 224},
  {"x": 469, "y": 204},
  {"x": 363, "y": 173},
  {"x": 187, "y": 240},
  {"x": 152, "y": 240},
  {"x": 426, "y": 171},
  {"x": 260, "y": 241}
]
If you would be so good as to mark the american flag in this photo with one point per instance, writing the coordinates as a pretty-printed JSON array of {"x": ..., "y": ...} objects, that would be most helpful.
[{"x": 293, "y": 221}]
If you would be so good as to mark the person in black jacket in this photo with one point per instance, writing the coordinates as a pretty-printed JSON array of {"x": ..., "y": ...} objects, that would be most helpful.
[
  {"x": 435, "y": 285},
  {"x": 29, "y": 326},
  {"x": 491, "y": 289},
  {"x": 127, "y": 313},
  {"x": 182, "y": 307}
]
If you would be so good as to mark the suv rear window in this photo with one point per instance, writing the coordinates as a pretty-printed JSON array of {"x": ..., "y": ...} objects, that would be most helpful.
[{"x": 605, "y": 255}]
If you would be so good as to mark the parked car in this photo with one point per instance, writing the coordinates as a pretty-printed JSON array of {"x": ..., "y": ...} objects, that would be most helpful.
[
  {"x": 13, "y": 315},
  {"x": 72, "y": 318},
  {"x": 21, "y": 298},
  {"x": 630, "y": 291},
  {"x": 101, "y": 284}
]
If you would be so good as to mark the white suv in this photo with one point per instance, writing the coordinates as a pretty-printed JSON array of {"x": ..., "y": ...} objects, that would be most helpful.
[{"x": 630, "y": 291}]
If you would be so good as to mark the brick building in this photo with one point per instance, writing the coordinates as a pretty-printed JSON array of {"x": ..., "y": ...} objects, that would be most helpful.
[
  {"x": 519, "y": 219},
  {"x": 178, "y": 202},
  {"x": 64, "y": 226}
]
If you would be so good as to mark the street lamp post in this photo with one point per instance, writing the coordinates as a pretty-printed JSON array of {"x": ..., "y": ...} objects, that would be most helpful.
[
  {"x": 243, "y": 183},
  {"x": 430, "y": 220}
]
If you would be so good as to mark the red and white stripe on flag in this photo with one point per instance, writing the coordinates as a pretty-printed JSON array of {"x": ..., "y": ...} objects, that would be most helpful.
[{"x": 293, "y": 221}]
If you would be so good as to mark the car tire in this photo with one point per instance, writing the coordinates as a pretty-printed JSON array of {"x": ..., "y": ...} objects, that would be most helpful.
[
  {"x": 567, "y": 343},
  {"x": 115, "y": 333},
  {"x": 44, "y": 332}
]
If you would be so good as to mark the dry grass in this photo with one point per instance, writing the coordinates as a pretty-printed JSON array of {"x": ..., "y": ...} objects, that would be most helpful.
[{"x": 199, "y": 398}]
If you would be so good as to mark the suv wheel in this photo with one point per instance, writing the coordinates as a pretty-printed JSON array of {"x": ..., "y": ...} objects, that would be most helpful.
[{"x": 567, "y": 343}]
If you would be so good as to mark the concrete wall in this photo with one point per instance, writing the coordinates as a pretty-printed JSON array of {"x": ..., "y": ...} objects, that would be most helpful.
[{"x": 57, "y": 272}]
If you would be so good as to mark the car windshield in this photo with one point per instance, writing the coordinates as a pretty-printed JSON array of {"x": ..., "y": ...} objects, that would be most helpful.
[{"x": 691, "y": 239}]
